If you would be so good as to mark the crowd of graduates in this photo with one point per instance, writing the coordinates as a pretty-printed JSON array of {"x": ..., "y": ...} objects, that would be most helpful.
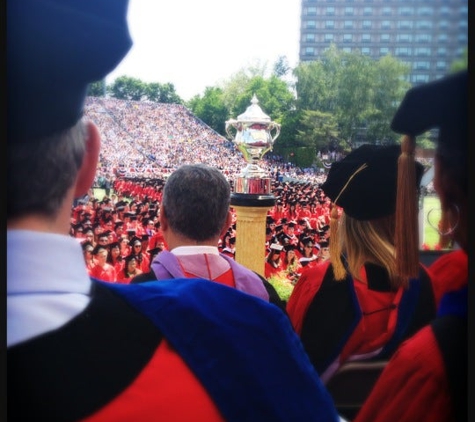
[
  {"x": 142, "y": 144},
  {"x": 121, "y": 233}
]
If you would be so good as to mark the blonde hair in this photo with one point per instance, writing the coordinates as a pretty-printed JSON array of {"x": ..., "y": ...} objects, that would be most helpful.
[{"x": 362, "y": 242}]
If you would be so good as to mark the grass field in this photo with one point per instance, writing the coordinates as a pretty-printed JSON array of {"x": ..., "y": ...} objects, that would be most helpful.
[{"x": 430, "y": 236}]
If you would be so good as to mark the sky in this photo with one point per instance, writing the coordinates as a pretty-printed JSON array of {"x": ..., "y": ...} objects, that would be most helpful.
[{"x": 198, "y": 43}]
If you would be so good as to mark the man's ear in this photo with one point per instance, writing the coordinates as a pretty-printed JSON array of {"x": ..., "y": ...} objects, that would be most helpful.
[
  {"x": 228, "y": 222},
  {"x": 87, "y": 171},
  {"x": 163, "y": 220}
]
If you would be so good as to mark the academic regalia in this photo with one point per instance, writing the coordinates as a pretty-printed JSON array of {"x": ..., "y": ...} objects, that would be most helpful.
[
  {"x": 154, "y": 368},
  {"x": 372, "y": 320},
  {"x": 105, "y": 273},
  {"x": 449, "y": 272},
  {"x": 212, "y": 266},
  {"x": 426, "y": 379}
]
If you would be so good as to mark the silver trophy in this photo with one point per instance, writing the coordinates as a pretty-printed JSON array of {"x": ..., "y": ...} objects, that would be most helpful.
[{"x": 252, "y": 134}]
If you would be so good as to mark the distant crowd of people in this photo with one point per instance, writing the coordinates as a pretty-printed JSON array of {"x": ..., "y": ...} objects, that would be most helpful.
[{"x": 144, "y": 142}]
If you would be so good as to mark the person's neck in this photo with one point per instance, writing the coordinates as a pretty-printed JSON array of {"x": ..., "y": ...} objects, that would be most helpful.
[
  {"x": 58, "y": 224},
  {"x": 174, "y": 241}
]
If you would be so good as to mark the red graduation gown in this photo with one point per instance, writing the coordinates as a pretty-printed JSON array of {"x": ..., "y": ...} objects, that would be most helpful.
[{"x": 413, "y": 386}]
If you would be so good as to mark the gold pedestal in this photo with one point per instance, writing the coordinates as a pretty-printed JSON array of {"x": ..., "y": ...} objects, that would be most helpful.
[{"x": 251, "y": 214}]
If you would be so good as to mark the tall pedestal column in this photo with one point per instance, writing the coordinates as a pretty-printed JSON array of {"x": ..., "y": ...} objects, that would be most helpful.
[{"x": 251, "y": 213}]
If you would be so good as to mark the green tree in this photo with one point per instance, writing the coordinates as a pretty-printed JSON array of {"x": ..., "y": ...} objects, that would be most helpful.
[
  {"x": 168, "y": 94},
  {"x": 97, "y": 89},
  {"x": 389, "y": 86},
  {"x": 461, "y": 63},
  {"x": 359, "y": 94},
  {"x": 127, "y": 88},
  {"x": 281, "y": 67},
  {"x": 211, "y": 108},
  {"x": 319, "y": 130}
]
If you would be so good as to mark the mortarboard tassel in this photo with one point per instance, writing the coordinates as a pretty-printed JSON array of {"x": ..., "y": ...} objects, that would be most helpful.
[{"x": 406, "y": 231}]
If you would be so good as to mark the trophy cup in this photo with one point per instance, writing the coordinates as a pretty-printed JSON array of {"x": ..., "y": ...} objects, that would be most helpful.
[
  {"x": 252, "y": 196},
  {"x": 253, "y": 137}
]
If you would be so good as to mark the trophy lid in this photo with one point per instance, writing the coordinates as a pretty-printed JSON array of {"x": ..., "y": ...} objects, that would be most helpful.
[{"x": 254, "y": 113}]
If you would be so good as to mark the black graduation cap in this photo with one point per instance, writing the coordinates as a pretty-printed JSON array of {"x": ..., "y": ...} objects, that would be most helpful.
[
  {"x": 99, "y": 248},
  {"x": 364, "y": 183},
  {"x": 153, "y": 252},
  {"x": 135, "y": 240},
  {"x": 55, "y": 48},
  {"x": 114, "y": 245},
  {"x": 440, "y": 104},
  {"x": 87, "y": 246}
]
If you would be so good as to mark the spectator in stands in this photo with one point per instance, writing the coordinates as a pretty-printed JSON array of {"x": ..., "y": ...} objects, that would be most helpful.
[
  {"x": 429, "y": 370},
  {"x": 180, "y": 350},
  {"x": 360, "y": 282}
]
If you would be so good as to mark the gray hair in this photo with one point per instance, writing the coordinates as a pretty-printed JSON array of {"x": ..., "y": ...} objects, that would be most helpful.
[
  {"x": 41, "y": 171},
  {"x": 196, "y": 201}
]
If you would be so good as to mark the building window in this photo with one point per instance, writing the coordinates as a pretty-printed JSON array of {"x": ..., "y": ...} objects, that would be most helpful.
[
  {"x": 463, "y": 10},
  {"x": 420, "y": 78},
  {"x": 368, "y": 11},
  {"x": 383, "y": 51},
  {"x": 310, "y": 10},
  {"x": 348, "y": 24},
  {"x": 347, "y": 49},
  {"x": 347, "y": 37},
  {"x": 386, "y": 25},
  {"x": 309, "y": 51},
  {"x": 386, "y": 11},
  {"x": 366, "y": 51},
  {"x": 424, "y": 25},
  {"x": 311, "y": 24},
  {"x": 441, "y": 65},
  {"x": 366, "y": 24},
  {"x": 423, "y": 38},
  {"x": 463, "y": 25},
  {"x": 441, "y": 51},
  {"x": 310, "y": 38},
  {"x": 329, "y": 37},
  {"x": 365, "y": 37},
  {"x": 406, "y": 11},
  {"x": 421, "y": 65},
  {"x": 462, "y": 38},
  {"x": 385, "y": 37},
  {"x": 422, "y": 51},
  {"x": 404, "y": 25},
  {"x": 330, "y": 24},
  {"x": 403, "y": 51},
  {"x": 404, "y": 37},
  {"x": 349, "y": 11},
  {"x": 444, "y": 11},
  {"x": 442, "y": 38},
  {"x": 443, "y": 24},
  {"x": 425, "y": 11},
  {"x": 330, "y": 11}
]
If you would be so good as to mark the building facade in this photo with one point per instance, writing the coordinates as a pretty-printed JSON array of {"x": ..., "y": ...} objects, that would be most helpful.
[{"x": 427, "y": 34}]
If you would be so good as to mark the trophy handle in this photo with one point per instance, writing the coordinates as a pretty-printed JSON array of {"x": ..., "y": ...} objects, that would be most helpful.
[
  {"x": 275, "y": 126},
  {"x": 227, "y": 128}
]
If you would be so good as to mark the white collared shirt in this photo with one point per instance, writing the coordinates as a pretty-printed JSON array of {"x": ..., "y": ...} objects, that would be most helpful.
[{"x": 47, "y": 283}]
